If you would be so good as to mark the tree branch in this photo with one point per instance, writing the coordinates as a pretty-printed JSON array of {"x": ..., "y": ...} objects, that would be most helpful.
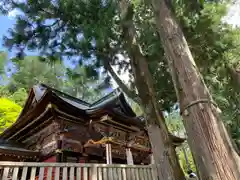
[{"x": 130, "y": 93}]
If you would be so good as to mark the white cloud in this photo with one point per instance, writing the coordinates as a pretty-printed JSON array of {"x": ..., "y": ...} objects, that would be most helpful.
[
  {"x": 15, "y": 12},
  {"x": 233, "y": 16},
  {"x": 12, "y": 14}
]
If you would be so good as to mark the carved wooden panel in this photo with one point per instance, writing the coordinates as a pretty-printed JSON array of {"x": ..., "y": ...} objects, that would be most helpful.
[
  {"x": 140, "y": 141},
  {"x": 42, "y": 134},
  {"x": 43, "y": 141},
  {"x": 48, "y": 148},
  {"x": 119, "y": 135},
  {"x": 100, "y": 128},
  {"x": 76, "y": 132},
  {"x": 118, "y": 152},
  {"x": 71, "y": 145},
  {"x": 95, "y": 151}
]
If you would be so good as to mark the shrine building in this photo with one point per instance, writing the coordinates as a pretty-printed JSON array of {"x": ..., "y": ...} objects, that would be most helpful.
[{"x": 56, "y": 127}]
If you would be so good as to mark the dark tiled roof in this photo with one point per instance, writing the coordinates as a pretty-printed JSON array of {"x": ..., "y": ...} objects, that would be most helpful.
[
  {"x": 114, "y": 100},
  {"x": 11, "y": 145}
]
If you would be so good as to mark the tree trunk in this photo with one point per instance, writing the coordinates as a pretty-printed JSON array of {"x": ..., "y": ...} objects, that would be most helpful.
[
  {"x": 207, "y": 136},
  {"x": 163, "y": 151},
  {"x": 235, "y": 77}
]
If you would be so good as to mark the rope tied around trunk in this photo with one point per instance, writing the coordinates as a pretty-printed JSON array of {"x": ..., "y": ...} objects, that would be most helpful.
[{"x": 184, "y": 111}]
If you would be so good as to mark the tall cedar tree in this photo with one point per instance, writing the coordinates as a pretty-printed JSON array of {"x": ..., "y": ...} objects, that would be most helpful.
[
  {"x": 163, "y": 150},
  {"x": 212, "y": 149},
  {"x": 164, "y": 153}
]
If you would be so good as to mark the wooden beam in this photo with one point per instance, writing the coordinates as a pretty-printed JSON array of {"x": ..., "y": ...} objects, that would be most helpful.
[
  {"x": 34, "y": 129},
  {"x": 68, "y": 115},
  {"x": 31, "y": 123}
]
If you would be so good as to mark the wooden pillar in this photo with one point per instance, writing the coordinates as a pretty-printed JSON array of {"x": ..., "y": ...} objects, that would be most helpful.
[
  {"x": 129, "y": 156},
  {"x": 59, "y": 151},
  {"x": 109, "y": 153},
  {"x": 151, "y": 159}
]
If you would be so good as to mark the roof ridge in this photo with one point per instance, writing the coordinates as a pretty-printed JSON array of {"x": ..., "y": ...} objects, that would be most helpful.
[
  {"x": 65, "y": 95},
  {"x": 116, "y": 92}
]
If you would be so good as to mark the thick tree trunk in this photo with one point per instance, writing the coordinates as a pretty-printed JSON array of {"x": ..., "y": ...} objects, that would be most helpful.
[
  {"x": 207, "y": 136},
  {"x": 163, "y": 151}
]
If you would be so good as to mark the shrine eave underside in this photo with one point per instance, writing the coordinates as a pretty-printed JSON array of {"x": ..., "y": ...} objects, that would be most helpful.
[{"x": 15, "y": 150}]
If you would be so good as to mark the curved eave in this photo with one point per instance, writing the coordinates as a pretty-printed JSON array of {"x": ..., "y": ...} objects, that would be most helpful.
[
  {"x": 113, "y": 100},
  {"x": 41, "y": 121},
  {"x": 127, "y": 108},
  {"x": 27, "y": 104},
  {"x": 18, "y": 152},
  {"x": 48, "y": 98},
  {"x": 69, "y": 117},
  {"x": 59, "y": 93},
  {"x": 177, "y": 141},
  {"x": 65, "y": 106}
]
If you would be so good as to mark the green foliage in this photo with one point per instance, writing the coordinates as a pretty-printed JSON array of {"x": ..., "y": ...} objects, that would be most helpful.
[
  {"x": 19, "y": 97},
  {"x": 4, "y": 91},
  {"x": 174, "y": 123},
  {"x": 175, "y": 126},
  {"x": 9, "y": 112},
  {"x": 79, "y": 85},
  {"x": 31, "y": 71},
  {"x": 3, "y": 61},
  {"x": 188, "y": 163}
]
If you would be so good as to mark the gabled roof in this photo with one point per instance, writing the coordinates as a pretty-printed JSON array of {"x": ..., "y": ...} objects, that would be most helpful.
[
  {"x": 40, "y": 96},
  {"x": 114, "y": 101},
  {"x": 42, "y": 88}
]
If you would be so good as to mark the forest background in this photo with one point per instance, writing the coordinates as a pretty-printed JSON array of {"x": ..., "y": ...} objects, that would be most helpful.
[{"x": 215, "y": 46}]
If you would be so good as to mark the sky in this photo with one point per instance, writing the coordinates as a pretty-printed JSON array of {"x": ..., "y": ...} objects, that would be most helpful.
[{"x": 8, "y": 21}]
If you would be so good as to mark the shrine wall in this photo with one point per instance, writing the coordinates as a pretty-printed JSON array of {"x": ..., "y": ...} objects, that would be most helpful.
[
  {"x": 78, "y": 135},
  {"x": 45, "y": 140}
]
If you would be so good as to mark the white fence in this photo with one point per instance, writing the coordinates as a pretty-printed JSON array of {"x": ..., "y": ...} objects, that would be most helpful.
[{"x": 74, "y": 171}]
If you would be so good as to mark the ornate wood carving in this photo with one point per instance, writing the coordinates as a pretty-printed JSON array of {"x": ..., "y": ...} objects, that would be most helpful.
[
  {"x": 76, "y": 132},
  {"x": 95, "y": 151},
  {"x": 74, "y": 135},
  {"x": 118, "y": 152},
  {"x": 39, "y": 138},
  {"x": 48, "y": 148},
  {"x": 72, "y": 145}
]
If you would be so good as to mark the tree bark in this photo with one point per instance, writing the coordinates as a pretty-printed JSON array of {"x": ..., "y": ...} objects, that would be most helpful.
[
  {"x": 163, "y": 151},
  {"x": 235, "y": 77},
  {"x": 207, "y": 136}
]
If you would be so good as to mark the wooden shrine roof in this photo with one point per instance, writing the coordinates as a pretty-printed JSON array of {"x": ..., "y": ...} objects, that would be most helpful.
[
  {"x": 16, "y": 150},
  {"x": 37, "y": 110}
]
